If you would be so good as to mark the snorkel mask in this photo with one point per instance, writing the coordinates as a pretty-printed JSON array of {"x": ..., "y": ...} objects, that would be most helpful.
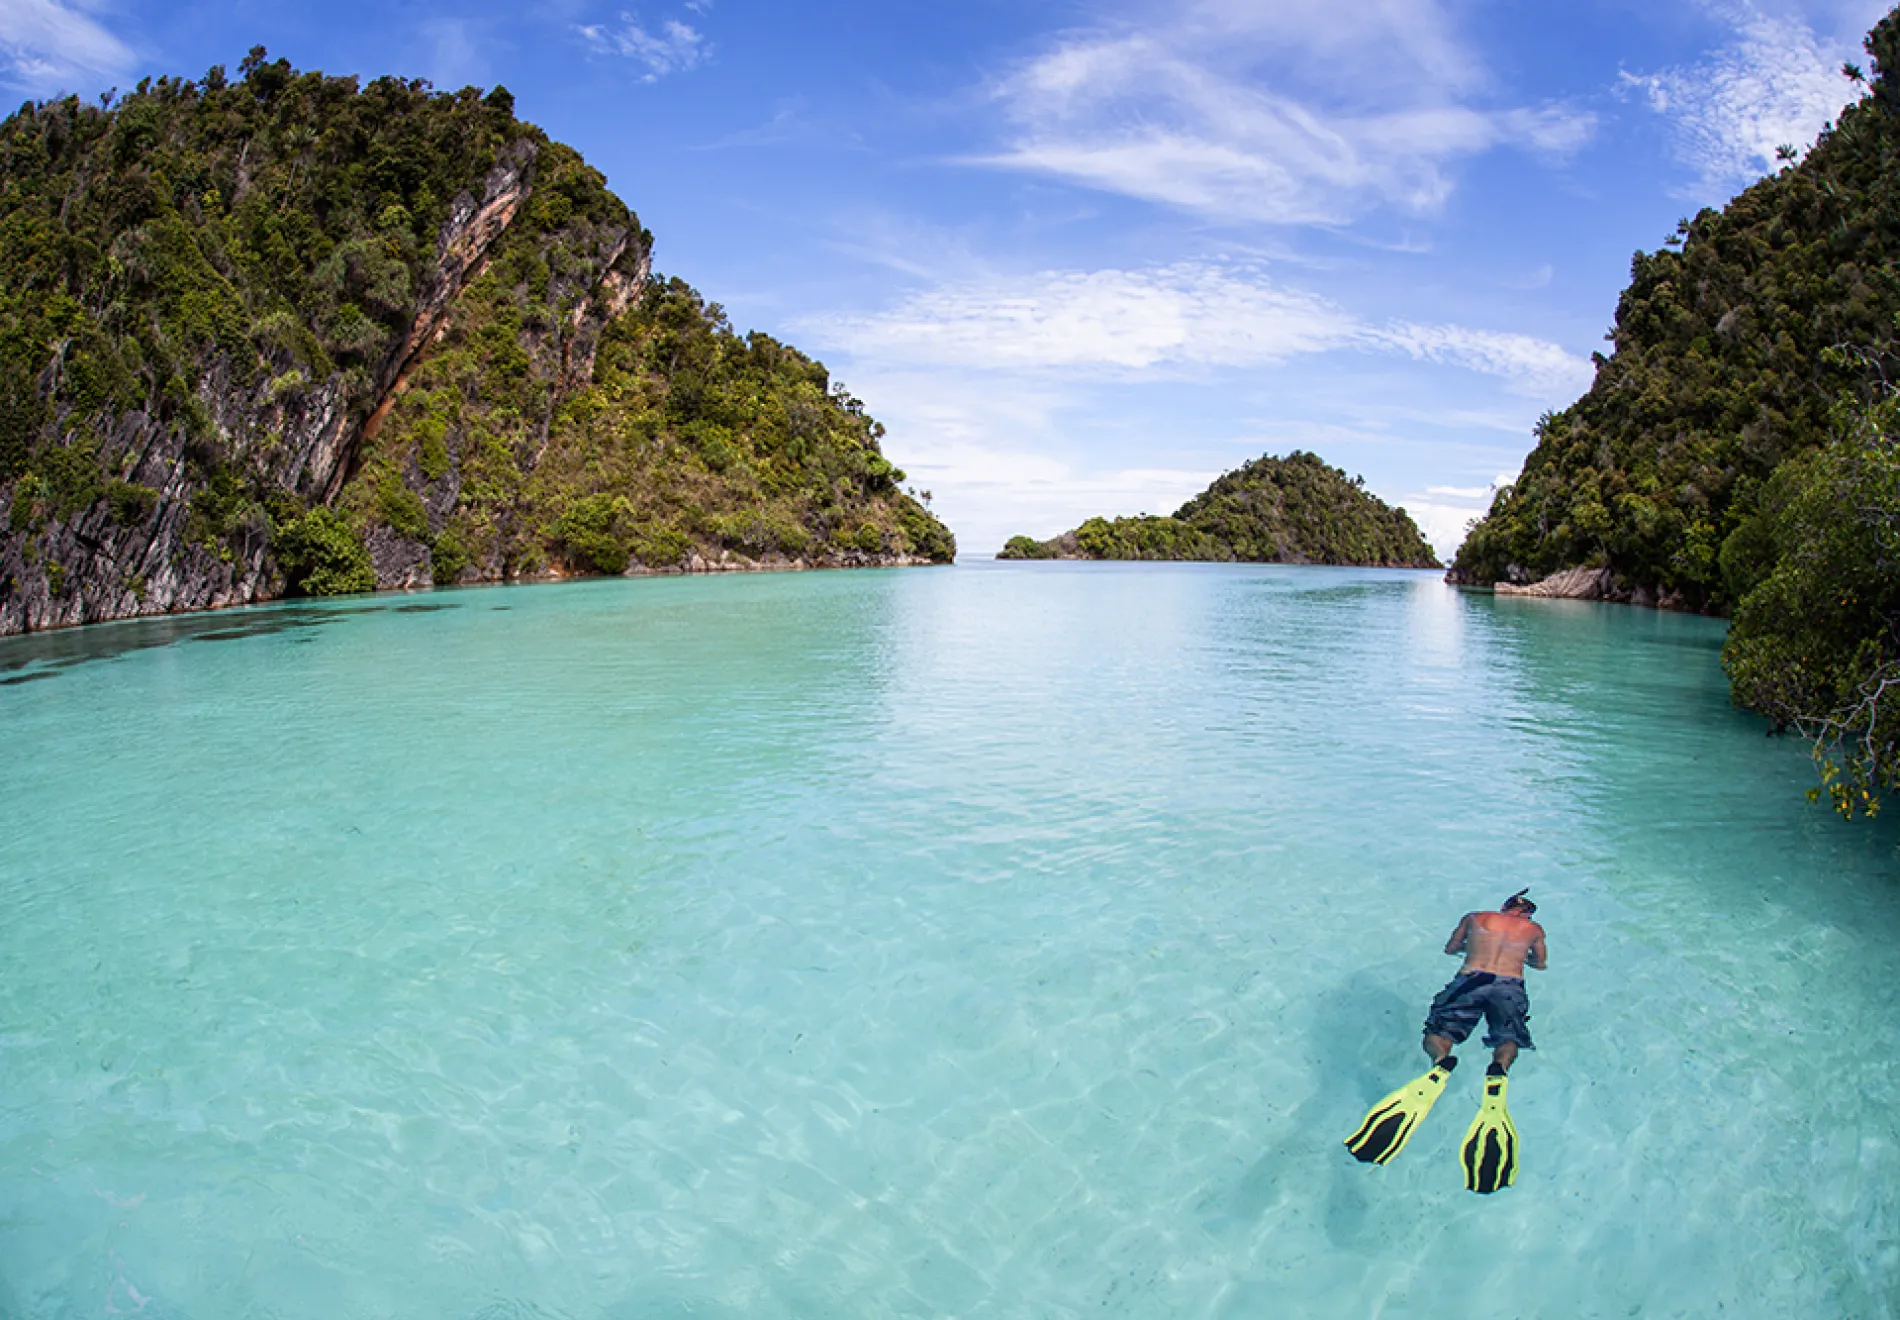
[{"x": 1518, "y": 903}]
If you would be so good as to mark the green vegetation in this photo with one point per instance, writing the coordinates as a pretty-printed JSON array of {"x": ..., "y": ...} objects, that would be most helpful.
[
  {"x": 689, "y": 439},
  {"x": 1720, "y": 371},
  {"x": 323, "y": 555},
  {"x": 266, "y": 296},
  {"x": 1295, "y": 509},
  {"x": 1815, "y": 644},
  {"x": 1027, "y": 547},
  {"x": 278, "y": 223},
  {"x": 1712, "y": 465}
]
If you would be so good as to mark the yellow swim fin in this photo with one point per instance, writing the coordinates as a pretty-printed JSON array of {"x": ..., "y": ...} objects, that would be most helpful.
[
  {"x": 1490, "y": 1150},
  {"x": 1389, "y": 1124}
]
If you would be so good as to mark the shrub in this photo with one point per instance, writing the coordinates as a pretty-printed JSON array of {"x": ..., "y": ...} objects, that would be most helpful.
[
  {"x": 447, "y": 558},
  {"x": 432, "y": 455},
  {"x": 290, "y": 385},
  {"x": 586, "y": 535},
  {"x": 1815, "y": 645},
  {"x": 129, "y": 503},
  {"x": 662, "y": 546},
  {"x": 321, "y": 554},
  {"x": 401, "y": 508}
]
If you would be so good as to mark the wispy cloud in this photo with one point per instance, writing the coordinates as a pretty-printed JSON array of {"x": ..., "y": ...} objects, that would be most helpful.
[
  {"x": 1189, "y": 315},
  {"x": 1535, "y": 367},
  {"x": 1118, "y": 320},
  {"x": 791, "y": 125},
  {"x": 674, "y": 47},
  {"x": 1445, "y": 513},
  {"x": 48, "y": 46},
  {"x": 455, "y": 55},
  {"x": 1216, "y": 111},
  {"x": 1774, "y": 83},
  {"x": 999, "y": 461}
]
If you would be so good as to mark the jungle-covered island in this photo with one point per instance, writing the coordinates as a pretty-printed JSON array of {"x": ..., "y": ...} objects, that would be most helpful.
[
  {"x": 1292, "y": 510},
  {"x": 1739, "y": 450},
  {"x": 285, "y": 334}
]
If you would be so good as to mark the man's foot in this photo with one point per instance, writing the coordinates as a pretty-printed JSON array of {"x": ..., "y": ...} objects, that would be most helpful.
[
  {"x": 1448, "y": 1062},
  {"x": 1496, "y": 1070}
]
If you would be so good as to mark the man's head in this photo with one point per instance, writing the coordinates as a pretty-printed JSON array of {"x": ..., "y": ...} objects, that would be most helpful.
[{"x": 1519, "y": 904}]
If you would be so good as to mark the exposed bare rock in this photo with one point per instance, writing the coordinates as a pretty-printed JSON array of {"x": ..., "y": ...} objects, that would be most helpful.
[
  {"x": 371, "y": 350},
  {"x": 1571, "y": 584}
]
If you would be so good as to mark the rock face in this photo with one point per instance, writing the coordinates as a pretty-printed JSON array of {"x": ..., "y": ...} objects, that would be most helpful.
[
  {"x": 1585, "y": 584},
  {"x": 110, "y": 568},
  {"x": 1571, "y": 584},
  {"x": 237, "y": 305}
]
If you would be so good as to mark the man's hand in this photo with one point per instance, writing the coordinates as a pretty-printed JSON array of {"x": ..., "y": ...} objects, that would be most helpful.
[{"x": 1456, "y": 944}]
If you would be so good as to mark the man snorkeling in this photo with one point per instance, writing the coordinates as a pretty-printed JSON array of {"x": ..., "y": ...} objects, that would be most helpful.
[{"x": 1497, "y": 946}]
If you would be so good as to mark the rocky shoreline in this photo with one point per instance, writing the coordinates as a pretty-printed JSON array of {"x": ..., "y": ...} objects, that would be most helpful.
[
  {"x": 211, "y": 601},
  {"x": 1582, "y": 584}
]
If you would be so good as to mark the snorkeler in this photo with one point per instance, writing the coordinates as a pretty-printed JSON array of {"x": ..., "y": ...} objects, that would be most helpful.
[{"x": 1497, "y": 946}]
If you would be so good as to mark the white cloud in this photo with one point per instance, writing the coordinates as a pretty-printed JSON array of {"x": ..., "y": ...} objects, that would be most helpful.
[
  {"x": 1189, "y": 315},
  {"x": 1444, "y": 524},
  {"x": 991, "y": 493},
  {"x": 1535, "y": 367},
  {"x": 1219, "y": 113},
  {"x": 46, "y": 46},
  {"x": 675, "y": 48},
  {"x": 993, "y": 389},
  {"x": 1445, "y": 513},
  {"x": 1379, "y": 39},
  {"x": 998, "y": 461},
  {"x": 1775, "y": 83}
]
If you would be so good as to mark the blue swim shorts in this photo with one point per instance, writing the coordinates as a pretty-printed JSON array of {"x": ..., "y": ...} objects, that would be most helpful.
[{"x": 1499, "y": 1000}]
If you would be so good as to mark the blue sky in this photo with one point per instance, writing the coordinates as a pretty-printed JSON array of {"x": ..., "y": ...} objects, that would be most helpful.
[{"x": 1082, "y": 258}]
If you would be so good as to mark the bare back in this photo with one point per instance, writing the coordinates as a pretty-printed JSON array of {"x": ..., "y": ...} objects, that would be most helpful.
[{"x": 1502, "y": 943}]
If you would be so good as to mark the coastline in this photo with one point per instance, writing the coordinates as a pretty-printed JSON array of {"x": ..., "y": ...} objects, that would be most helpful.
[
  {"x": 695, "y": 563},
  {"x": 1584, "y": 584}
]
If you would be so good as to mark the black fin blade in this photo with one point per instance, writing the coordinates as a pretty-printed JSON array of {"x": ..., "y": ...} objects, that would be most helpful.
[
  {"x": 1379, "y": 1137},
  {"x": 1490, "y": 1159}
]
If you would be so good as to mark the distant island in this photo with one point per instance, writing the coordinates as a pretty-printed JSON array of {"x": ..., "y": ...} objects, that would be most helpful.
[
  {"x": 284, "y": 334},
  {"x": 1292, "y": 510}
]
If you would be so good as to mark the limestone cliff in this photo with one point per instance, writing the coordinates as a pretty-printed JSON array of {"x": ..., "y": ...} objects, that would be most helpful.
[{"x": 287, "y": 334}]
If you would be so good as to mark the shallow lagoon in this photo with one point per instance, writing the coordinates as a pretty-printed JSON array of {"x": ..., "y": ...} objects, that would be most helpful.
[{"x": 1006, "y": 940}]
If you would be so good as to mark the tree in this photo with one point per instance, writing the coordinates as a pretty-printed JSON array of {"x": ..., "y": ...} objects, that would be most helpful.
[{"x": 1816, "y": 641}]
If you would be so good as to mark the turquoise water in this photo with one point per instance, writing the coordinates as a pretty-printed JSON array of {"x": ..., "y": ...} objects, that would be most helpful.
[{"x": 997, "y": 941}]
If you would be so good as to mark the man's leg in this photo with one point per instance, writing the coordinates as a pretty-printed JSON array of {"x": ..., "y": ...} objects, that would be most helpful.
[
  {"x": 1439, "y": 1046},
  {"x": 1504, "y": 1056}
]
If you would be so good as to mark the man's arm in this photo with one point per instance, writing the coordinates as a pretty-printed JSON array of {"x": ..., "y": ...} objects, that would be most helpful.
[
  {"x": 1456, "y": 944},
  {"x": 1537, "y": 958}
]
